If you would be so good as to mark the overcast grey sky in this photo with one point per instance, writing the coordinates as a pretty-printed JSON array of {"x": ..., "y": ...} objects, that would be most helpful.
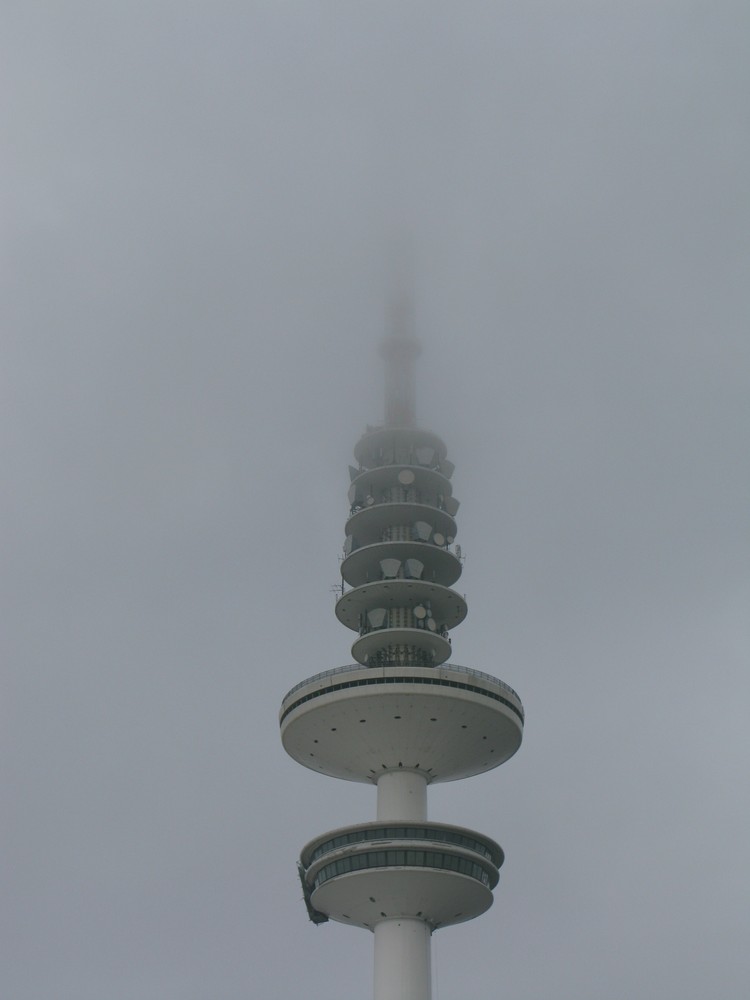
[{"x": 201, "y": 205}]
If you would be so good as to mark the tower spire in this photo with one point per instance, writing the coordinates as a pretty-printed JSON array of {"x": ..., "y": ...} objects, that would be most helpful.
[{"x": 400, "y": 350}]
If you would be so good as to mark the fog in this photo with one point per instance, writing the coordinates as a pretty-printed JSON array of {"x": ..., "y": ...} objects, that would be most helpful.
[{"x": 206, "y": 207}]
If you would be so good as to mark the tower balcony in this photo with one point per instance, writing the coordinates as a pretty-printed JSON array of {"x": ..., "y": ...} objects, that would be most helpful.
[
  {"x": 400, "y": 446},
  {"x": 447, "y": 608},
  {"x": 401, "y": 647},
  {"x": 415, "y": 559},
  {"x": 409, "y": 483},
  {"x": 374, "y": 523},
  {"x": 433, "y": 485},
  {"x": 362, "y": 875}
]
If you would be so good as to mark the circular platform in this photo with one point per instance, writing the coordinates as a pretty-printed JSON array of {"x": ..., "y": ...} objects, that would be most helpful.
[
  {"x": 448, "y": 722},
  {"x": 391, "y": 640},
  {"x": 363, "y": 565},
  {"x": 429, "y": 483},
  {"x": 447, "y": 607},
  {"x": 397, "y": 446},
  {"x": 367, "y": 525}
]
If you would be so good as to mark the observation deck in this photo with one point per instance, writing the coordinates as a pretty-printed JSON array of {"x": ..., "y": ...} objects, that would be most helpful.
[
  {"x": 446, "y": 722},
  {"x": 365, "y": 874}
]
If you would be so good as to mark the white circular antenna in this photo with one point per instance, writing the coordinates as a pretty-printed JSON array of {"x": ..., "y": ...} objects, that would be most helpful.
[
  {"x": 420, "y": 612},
  {"x": 438, "y": 539},
  {"x": 406, "y": 477},
  {"x": 432, "y": 625},
  {"x": 450, "y": 539}
]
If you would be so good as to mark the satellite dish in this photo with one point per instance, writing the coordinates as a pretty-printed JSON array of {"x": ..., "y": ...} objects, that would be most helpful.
[
  {"x": 450, "y": 539},
  {"x": 432, "y": 625},
  {"x": 452, "y": 505},
  {"x": 438, "y": 539},
  {"x": 406, "y": 477},
  {"x": 447, "y": 468},
  {"x": 420, "y": 613},
  {"x": 369, "y": 500},
  {"x": 425, "y": 456}
]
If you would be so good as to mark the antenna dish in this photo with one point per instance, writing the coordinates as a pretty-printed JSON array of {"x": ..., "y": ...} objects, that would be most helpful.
[
  {"x": 413, "y": 569},
  {"x": 420, "y": 613},
  {"x": 438, "y": 539},
  {"x": 406, "y": 477},
  {"x": 432, "y": 625},
  {"x": 390, "y": 568},
  {"x": 369, "y": 500},
  {"x": 376, "y": 617},
  {"x": 421, "y": 531}
]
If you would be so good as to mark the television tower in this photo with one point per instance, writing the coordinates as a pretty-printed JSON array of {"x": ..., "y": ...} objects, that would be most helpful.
[{"x": 401, "y": 717}]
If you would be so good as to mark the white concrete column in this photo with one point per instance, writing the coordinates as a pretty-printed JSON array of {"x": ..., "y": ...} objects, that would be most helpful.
[
  {"x": 402, "y": 796},
  {"x": 402, "y": 960}
]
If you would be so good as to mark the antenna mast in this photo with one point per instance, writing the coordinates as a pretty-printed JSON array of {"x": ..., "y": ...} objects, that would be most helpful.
[{"x": 400, "y": 350}]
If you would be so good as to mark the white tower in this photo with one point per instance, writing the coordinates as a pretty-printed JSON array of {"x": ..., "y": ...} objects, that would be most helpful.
[{"x": 401, "y": 717}]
